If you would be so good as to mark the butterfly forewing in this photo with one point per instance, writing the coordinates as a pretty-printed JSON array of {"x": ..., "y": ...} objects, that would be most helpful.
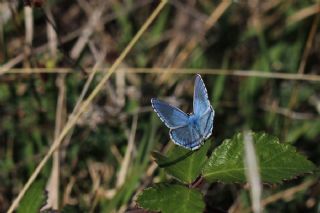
[
  {"x": 206, "y": 123},
  {"x": 170, "y": 115},
  {"x": 200, "y": 97}
]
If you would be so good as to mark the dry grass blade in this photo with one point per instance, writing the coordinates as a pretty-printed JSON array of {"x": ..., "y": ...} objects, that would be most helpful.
[
  {"x": 304, "y": 13},
  {"x": 308, "y": 46},
  {"x": 288, "y": 113},
  {"x": 287, "y": 194},
  {"x": 303, "y": 62},
  {"x": 29, "y": 25},
  {"x": 252, "y": 173},
  {"x": 6, "y": 67},
  {"x": 54, "y": 180},
  {"x": 185, "y": 53},
  {"x": 72, "y": 121},
  {"x": 87, "y": 31},
  {"x": 82, "y": 95},
  {"x": 127, "y": 158},
  {"x": 52, "y": 34},
  {"x": 240, "y": 73},
  {"x": 72, "y": 35},
  {"x": 53, "y": 183},
  {"x": 28, "y": 14}
]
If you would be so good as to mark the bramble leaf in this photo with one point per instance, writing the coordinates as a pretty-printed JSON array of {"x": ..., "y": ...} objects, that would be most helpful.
[
  {"x": 168, "y": 198},
  {"x": 183, "y": 164},
  {"x": 277, "y": 161}
]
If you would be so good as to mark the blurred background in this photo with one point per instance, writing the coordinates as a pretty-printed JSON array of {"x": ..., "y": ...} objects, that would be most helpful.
[{"x": 260, "y": 61}]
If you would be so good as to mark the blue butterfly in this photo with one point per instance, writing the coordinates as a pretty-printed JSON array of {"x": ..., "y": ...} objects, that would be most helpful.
[{"x": 188, "y": 130}]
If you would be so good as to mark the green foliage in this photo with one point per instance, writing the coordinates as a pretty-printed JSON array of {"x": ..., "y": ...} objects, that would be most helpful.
[
  {"x": 277, "y": 161},
  {"x": 160, "y": 24},
  {"x": 171, "y": 198},
  {"x": 123, "y": 21},
  {"x": 4, "y": 93},
  {"x": 138, "y": 167},
  {"x": 33, "y": 199},
  {"x": 183, "y": 164},
  {"x": 28, "y": 102}
]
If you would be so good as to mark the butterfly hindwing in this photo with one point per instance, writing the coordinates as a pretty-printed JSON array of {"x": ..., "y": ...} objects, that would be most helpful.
[
  {"x": 200, "y": 97},
  {"x": 170, "y": 115},
  {"x": 186, "y": 137}
]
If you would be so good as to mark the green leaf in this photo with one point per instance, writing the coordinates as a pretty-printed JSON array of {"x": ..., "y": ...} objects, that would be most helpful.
[
  {"x": 33, "y": 199},
  {"x": 168, "y": 198},
  {"x": 277, "y": 161},
  {"x": 183, "y": 164}
]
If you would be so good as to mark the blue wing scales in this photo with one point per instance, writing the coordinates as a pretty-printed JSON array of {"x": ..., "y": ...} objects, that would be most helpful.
[
  {"x": 200, "y": 97},
  {"x": 170, "y": 115},
  {"x": 186, "y": 137},
  {"x": 206, "y": 123},
  {"x": 185, "y": 132}
]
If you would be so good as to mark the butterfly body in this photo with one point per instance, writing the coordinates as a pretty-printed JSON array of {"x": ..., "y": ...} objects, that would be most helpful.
[
  {"x": 188, "y": 131},
  {"x": 194, "y": 120},
  {"x": 194, "y": 123}
]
